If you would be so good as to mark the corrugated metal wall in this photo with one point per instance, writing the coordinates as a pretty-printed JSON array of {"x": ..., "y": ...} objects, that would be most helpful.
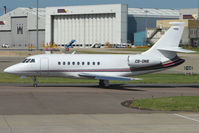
[
  {"x": 85, "y": 29},
  {"x": 137, "y": 24}
]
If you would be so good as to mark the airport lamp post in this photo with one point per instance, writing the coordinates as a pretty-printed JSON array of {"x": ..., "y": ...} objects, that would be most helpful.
[
  {"x": 37, "y": 36},
  {"x": 198, "y": 27}
]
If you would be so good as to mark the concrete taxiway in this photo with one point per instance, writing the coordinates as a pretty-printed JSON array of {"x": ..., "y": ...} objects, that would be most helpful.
[
  {"x": 71, "y": 108},
  {"x": 100, "y": 123},
  {"x": 71, "y": 99}
]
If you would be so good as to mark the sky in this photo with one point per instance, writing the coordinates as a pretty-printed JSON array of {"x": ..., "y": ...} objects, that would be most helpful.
[{"x": 171, "y": 4}]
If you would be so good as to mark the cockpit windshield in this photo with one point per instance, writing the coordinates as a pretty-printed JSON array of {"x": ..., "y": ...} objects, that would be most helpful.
[
  {"x": 32, "y": 61},
  {"x": 28, "y": 60}
]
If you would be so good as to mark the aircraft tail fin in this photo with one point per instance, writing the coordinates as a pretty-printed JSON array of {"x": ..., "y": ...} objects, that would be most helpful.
[
  {"x": 168, "y": 44},
  {"x": 69, "y": 44}
]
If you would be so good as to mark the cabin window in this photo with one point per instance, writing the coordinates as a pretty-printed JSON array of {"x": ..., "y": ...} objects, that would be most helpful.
[
  {"x": 68, "y": 63},
  {"x": 64, "y": 63},
  {"x": 98, "y": 63},
  {"x": 78, "y": 63},
  {"x": 88, "y": 63},
  {"x": 73, "y": 63},
  {"x": 93, "y": 63},
  {"x": 59, "y": 63}
]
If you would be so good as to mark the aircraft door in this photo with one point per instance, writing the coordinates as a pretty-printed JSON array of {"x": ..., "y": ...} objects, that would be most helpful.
[
  {"x": 128, "y": 60},
  {"x": 44, "y": 66}
]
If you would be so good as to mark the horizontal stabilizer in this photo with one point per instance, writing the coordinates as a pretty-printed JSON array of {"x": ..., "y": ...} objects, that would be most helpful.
[
  {"x": 104, "y": 77},
  {"x": 176, "y": 49}
]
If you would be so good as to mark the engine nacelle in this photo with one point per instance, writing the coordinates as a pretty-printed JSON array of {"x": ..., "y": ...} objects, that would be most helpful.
[{"x": 142, "y": 61}]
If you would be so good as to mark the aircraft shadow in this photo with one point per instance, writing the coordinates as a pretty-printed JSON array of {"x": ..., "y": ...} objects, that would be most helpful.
[
  {"x": 120, "y": 87},
  {"x": 127, "y": 87},
  {"x": 110, "y": 87}
]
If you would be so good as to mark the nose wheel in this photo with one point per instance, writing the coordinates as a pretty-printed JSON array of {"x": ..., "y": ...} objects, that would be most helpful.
[{"x": 35, "y": 81}]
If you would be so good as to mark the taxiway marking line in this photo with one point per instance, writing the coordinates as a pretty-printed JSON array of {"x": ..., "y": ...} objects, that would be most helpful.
[{"x": 186, "y": 117}]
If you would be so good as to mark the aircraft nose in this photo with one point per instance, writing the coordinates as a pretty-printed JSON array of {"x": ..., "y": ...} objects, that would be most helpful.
[{"x": 9, "y": 70}]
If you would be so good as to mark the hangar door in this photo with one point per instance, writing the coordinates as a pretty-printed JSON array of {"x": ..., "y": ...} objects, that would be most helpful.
[{"x": 85, "y": 29}]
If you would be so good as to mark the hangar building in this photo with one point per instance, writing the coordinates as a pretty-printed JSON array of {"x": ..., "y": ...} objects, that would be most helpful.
[
  {"x": 18, "y": 27},
  {"x": 112, "y": 23},
  {"x": 139, "y": 19},
  {"x": 87, "y": 24}
]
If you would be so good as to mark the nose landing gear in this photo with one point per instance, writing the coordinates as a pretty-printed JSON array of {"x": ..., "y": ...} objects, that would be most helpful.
[{"x": 35, "y": 81}]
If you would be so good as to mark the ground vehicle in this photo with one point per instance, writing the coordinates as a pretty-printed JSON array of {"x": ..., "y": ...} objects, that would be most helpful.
[{"x": 5, "y": 45}]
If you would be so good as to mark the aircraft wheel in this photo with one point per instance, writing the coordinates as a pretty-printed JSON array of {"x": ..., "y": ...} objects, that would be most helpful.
[
  {"x": 35, "y": 85},
  {"x": 35, "y": 81},
  {"x": 103, "y": 83}
]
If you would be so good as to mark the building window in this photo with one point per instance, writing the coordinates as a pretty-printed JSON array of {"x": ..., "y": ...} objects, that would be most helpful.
[
  {"x": 93, "y": 63},
  {"x": 59, "y": 63},
  {"x": 20, "y": 29},
  {"x": 98, "y": 63},
  {"x": 82, "y": 63},
  {"x": 68, "y": 63},
  {"x": 73, "y": 63},
  {"x": 64, "y": 63},
  {"x": 88, "y": 63},
  {"x": 78, "y": 63}
]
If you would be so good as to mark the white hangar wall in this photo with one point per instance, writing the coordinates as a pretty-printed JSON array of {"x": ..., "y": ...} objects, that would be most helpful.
[{"x": 87, "y": 24}]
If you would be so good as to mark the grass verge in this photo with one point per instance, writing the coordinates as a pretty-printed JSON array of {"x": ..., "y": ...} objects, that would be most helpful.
[
  {"x": 146, "y": 79},
  {"x": 178, "y": 103}
]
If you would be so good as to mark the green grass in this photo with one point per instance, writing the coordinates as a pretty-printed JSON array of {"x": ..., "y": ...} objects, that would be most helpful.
[
  {"x": 168, "y": 78},
  {"x": 9, "y": 78},
  {"x": 178, "y": 103},
  {"x": 146, "y": 79},
  {"x": 130, "y": 49}
]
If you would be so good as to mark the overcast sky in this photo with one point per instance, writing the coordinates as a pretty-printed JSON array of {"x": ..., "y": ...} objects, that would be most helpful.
[{"x": 172, "y": 4}]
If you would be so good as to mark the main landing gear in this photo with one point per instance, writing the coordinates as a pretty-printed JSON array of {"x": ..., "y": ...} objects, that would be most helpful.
[
  {"x": 103, "y": 83},
  {"x": 35, "y": 81}
]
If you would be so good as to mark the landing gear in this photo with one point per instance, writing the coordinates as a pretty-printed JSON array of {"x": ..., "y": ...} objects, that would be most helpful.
[
  {"x": 103, "y": 83},
  {"x": 35, "y": 81}
]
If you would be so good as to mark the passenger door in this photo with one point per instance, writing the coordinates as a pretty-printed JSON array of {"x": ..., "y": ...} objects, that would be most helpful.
[{"x": 44, "y": 66}]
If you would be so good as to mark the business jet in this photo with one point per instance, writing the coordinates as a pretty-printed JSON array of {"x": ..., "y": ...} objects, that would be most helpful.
[{"x": 163, "y": 55}]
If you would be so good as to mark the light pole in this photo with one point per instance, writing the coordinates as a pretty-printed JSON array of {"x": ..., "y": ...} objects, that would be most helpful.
[
  {"x": 37, "y": 31},
  {"x": 198, "y": 27},
  {"x": 146, "y": 19}
]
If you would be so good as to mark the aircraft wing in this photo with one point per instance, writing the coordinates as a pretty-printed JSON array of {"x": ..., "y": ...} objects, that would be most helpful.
[{"x": 105, "y": 77}]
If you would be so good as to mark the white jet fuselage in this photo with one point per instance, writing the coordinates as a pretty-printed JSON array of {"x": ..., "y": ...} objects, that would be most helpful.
[{"x": 73, "y": 65}]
